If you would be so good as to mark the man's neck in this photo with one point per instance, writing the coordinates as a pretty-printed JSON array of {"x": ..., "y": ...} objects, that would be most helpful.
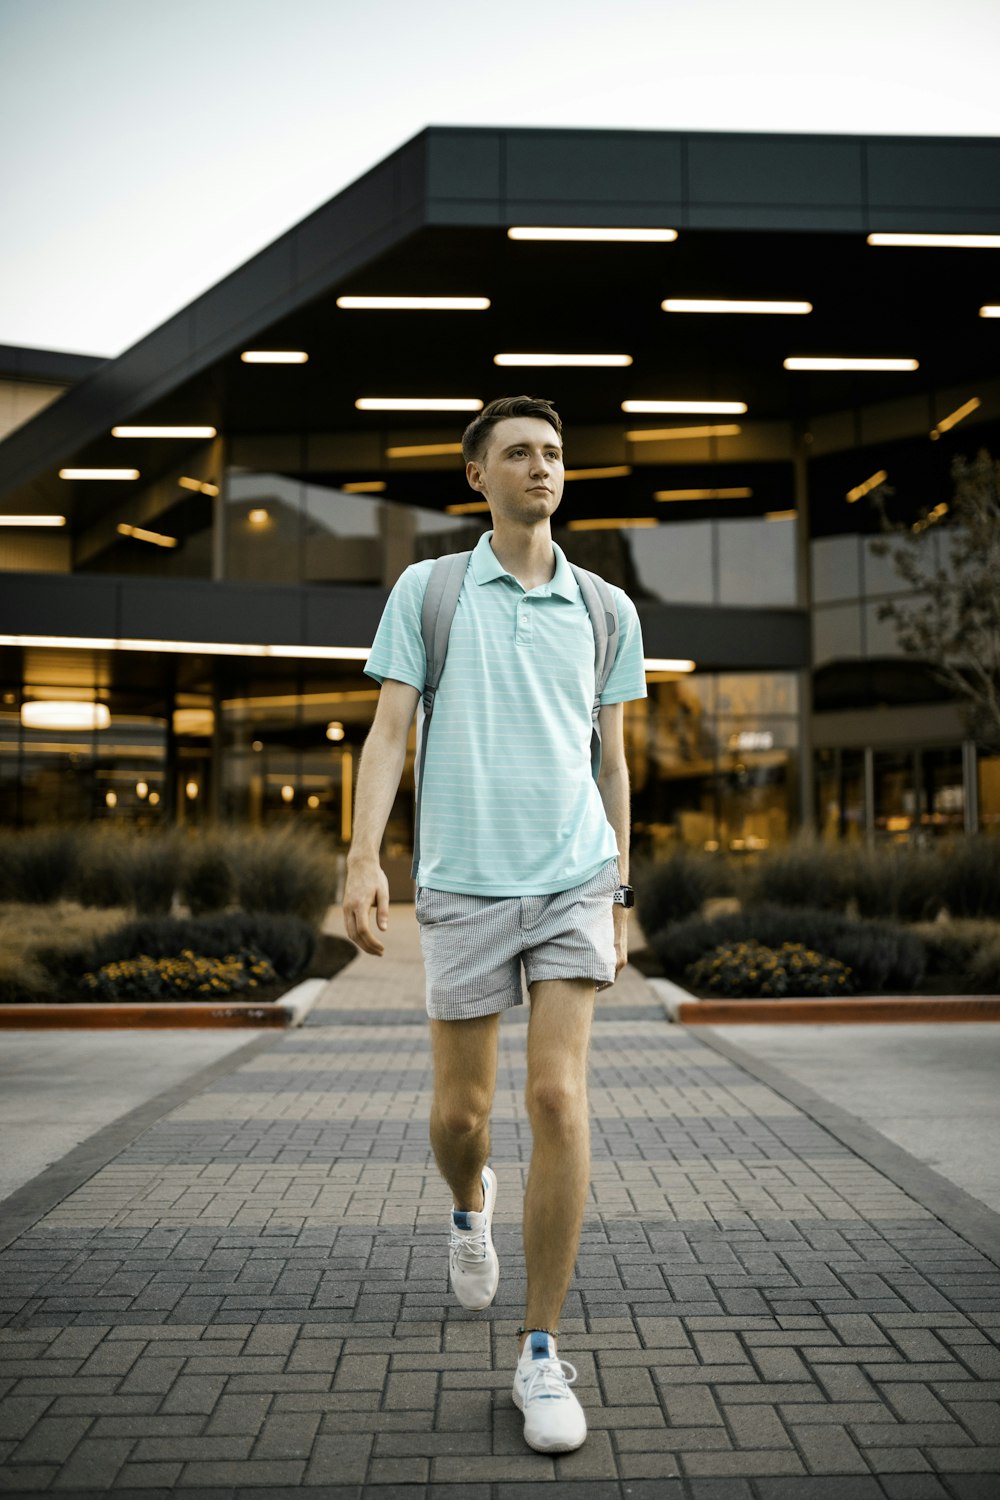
[{"x": 526, "y": 553}]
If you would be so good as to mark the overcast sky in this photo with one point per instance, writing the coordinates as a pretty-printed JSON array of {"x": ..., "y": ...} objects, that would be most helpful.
[{"x": 147, "y": 147}]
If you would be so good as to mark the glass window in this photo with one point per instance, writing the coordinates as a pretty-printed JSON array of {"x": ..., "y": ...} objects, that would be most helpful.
[
  {"x": 836, "y": 569},
  {"x": 880, "y": 576},
  {"x": 756, "y": 562},
  {"x": 836, "y": 632},
  {"x": 840, "y": 795},
  {"x": 989, "y": 794},
  {"x": 674, "y": 561}
]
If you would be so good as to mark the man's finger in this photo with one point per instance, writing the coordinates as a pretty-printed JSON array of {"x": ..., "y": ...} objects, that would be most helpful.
[{"x": 358, "y": 930}]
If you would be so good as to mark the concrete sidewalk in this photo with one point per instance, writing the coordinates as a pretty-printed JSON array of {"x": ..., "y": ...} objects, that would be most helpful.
[{"x": 244, "y": 1290}]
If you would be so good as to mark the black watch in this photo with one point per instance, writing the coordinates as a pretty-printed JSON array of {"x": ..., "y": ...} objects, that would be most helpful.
[{"x": 623, "y": 896}]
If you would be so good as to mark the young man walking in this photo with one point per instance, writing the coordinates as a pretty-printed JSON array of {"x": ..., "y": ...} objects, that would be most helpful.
[{"x": 522, "y": 864}]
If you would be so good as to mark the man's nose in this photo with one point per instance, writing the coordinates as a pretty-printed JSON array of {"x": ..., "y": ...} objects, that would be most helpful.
[{"x": 539, "y": 464}]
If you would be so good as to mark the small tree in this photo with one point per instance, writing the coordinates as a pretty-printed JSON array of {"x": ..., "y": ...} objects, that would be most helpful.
[{"x": 955, "y": 627}]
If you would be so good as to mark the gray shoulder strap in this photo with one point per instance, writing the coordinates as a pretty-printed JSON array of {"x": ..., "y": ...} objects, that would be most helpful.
[
  {"x": 440, "y": 602},
  {"x": 603, "y": 611}
]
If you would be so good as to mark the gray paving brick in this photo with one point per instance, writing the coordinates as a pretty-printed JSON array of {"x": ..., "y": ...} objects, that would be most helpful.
[
  {"x": 51, "y": 1440},
  {"x": 258, "y": 1473},
  {"x": 23, "y": 1478},
  {"x": 830, "y": 1450},
  {"x": 744, "y": 1463},
  {"x": 133, "y": 1477},
  {"x": 94, "y": 1461}
]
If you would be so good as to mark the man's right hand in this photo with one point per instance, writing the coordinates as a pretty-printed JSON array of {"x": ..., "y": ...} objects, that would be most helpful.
[{"x": 366, "y": 887}]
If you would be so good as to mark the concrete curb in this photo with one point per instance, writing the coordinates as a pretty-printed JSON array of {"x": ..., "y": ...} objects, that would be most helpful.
[
  {"x": 290, "y": 1010},
  {"x": 687, "y": 1009}
]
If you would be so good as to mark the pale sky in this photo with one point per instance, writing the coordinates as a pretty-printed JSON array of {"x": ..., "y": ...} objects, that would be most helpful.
[{"x": 148, "y": 147}]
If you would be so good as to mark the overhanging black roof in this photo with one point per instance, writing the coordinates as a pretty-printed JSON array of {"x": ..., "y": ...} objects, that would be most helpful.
[{"x": 758, "y": 215}]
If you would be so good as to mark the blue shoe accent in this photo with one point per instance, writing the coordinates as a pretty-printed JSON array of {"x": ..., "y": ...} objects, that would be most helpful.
[
  {"x": 541, "y": 1345},
  {"x": 461, "y": 1218}
]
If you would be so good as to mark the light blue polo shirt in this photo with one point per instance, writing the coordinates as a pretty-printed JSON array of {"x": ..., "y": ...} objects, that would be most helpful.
[{"x": 509, "y": 804}]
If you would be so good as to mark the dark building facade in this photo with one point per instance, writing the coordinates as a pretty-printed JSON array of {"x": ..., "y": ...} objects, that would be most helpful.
[{"x": 188, "y": 643}]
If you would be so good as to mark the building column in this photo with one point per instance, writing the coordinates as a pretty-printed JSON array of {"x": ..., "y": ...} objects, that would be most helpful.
[
  {"x": 970, "y": 777},
  {"x": 803, "y": 595}
]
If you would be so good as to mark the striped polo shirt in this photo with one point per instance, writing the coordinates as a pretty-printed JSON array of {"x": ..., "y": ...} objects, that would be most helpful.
[{"x": 509, "y": 805}]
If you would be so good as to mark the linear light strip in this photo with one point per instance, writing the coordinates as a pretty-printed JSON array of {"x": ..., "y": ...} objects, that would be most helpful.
[
  {"x": 613, "y": 523},
  {"x": 667, "y": 664},
  {"x": 423, "y": 450},
  {"x": 188, "y": 648},
  {"x": 742, "y": 493},
  {"x": 416, "y": 304},
  {"x": 991, "y": 310},
  {"x": 867, "y": 485},
  {"x": 467, "y": 508},
  {"x": 418, "y": 403},
  {"x": 939, "y": 241},
  {"x": 98, "y": 473},
  {"x": 364, "y": 487},
  {"x": 32, "y": 520},
  {"x": 668, "y": 434},
  {"x": 274, "y": 357},
  {"x": 595, "y": 361},
  {"x": 709, "y": 408},
  {"x": 830, "y": 362},
  {"x": 958, "y": 415},
  {"x": 614, "y": 471},
  {"x": 721, "y": 305},
  {"x": 163, "y": 432},
  {"x": 566, "y": 232},
  {"x": 140, "y": 534}
]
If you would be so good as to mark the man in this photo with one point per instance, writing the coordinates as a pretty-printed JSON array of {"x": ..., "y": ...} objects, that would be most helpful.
[{"x": 521, "y": 855}]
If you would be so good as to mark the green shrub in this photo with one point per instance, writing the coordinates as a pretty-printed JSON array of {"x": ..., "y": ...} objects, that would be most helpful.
[
  {"x": 805, "y": 872},
  {"x": 951, "y": 946},
  {"x": 753, "y": 971},
  {"x": 188, "y": 976},
  {"x": 289, "y": 942},
  {"x": 881, "y": 955},
  {"x": 287, "y": 870},
  {"x": 207, "y": 882},
  {"x": 970, "y": 877},
  {"x": 676, "y": 886},
  {"x": 38, "y": 865}
]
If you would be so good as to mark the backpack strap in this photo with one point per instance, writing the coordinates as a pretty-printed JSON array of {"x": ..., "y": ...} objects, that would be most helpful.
[
  {"x": 440, "y": 602},
  {"x": 603, "y": 611}
]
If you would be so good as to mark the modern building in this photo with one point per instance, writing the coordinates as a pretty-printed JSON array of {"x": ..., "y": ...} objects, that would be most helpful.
[{"x": 239, "y": 490}]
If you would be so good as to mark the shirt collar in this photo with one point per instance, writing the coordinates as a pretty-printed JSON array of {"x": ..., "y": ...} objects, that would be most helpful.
[{"x": 486, "y": 567}]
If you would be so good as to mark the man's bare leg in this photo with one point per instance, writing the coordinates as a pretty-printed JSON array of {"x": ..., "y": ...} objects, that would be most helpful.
[
  {"x": 559, "y": 1178},
  {"x": 465, "y": 1073}
]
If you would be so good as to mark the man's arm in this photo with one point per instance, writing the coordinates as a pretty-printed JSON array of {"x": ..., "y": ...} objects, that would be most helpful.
[
  {"x": 381, "y": 767},
  {"x": 612, "y": 783}
]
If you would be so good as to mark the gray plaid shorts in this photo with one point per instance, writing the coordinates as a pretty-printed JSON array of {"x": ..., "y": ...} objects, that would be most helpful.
[{"x": 474, "y": 946}]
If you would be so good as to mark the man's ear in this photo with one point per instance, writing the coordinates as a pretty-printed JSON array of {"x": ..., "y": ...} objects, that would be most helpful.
[{"x": 474, "y": 474}]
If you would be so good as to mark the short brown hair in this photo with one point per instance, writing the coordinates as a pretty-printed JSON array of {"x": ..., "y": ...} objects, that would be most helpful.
[{"x": 476, "y": 436}]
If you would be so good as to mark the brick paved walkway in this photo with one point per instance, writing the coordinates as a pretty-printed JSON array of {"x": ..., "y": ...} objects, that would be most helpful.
[{"x": 251, "y": 1296}]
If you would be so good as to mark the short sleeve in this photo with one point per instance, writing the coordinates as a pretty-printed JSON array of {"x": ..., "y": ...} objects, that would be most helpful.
[
  {"x": 627, "y": 678},
  {"x": 398, "y": 648}
]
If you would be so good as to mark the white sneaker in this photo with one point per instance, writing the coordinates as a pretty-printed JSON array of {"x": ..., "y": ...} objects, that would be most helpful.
[
  {"x": 553, "y": 1418},
  {"x": 472, "y": 1260}
]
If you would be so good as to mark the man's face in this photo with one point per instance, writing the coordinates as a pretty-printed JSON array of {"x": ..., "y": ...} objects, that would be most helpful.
[{"x": 521, "y": 472}]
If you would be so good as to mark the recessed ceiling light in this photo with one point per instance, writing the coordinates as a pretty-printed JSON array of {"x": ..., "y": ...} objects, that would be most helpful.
[
  {"x": 32, "y": 520},
  {"x": 940, "y": 241},
  {"x": 364, "y": 487},
  {"x": 666, "y": 434},
  {"x": 719, "y": 305},
  {"x": 141, "y": 535},
  {"x": 258, "y": 516},
  {"x": 274, "y": 357},
  {"x": 418, "y": 403},
  {"x": 601, "y": 361},
  {"x": 953, "y": 418},
  {"x": 710, "y": 408},
  {"x": 567, "y": 232},
  {"x": 824, "y": 362},
  {"x": 872, "y": 483},
  {"x": 613, "y": 523},
  {"x": 730, "y": 494},
  {"x": 615, "y": 471},
  {"x": 423, "y": 450},
  {"x": 98, "y": 473},
  {"x": 163, "y": 432},
  {"x": 417, "y": 304}
]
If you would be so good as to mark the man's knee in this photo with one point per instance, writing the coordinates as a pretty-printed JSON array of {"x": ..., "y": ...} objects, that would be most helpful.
[
  {"x": 463, "y": 1113},
  {"x": 556, "y": 1103}
]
